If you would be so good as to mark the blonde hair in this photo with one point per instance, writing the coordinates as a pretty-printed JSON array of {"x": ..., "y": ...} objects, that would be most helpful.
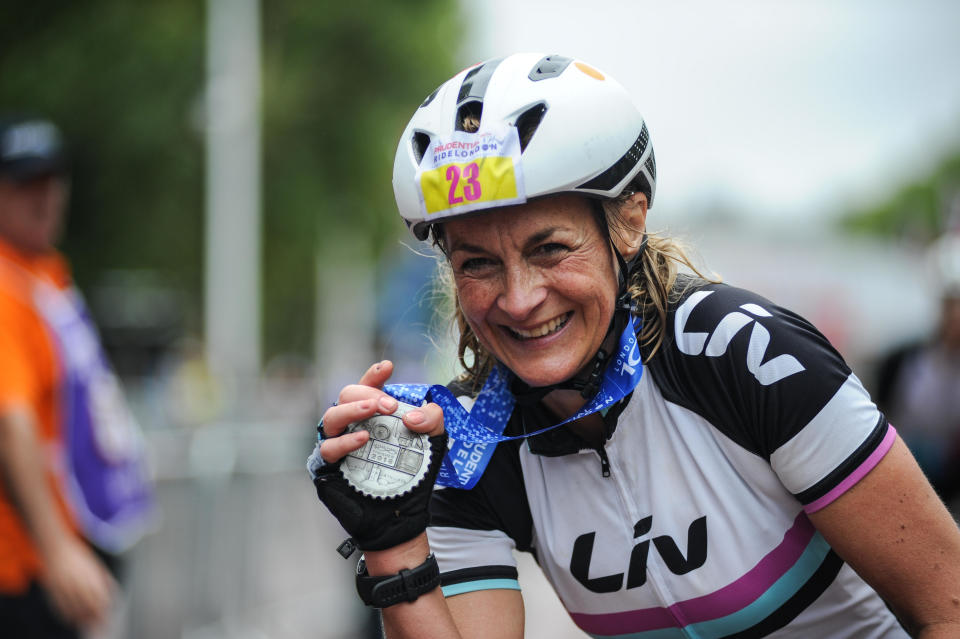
[{"x": 653, "y": 287}]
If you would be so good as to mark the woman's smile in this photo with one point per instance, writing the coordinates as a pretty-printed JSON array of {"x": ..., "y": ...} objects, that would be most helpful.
[{"x": 545, "y": 329}]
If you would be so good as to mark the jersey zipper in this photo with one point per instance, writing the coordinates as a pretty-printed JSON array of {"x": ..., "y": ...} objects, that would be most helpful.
[{"x": 604, "y": 461}]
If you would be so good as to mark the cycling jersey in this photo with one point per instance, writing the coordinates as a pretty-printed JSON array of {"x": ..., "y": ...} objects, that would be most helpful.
[{"x": 691, "y": 519}]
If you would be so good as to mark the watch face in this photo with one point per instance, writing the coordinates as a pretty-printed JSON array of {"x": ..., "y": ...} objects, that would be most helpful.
[{"x": 392, "y": 462}]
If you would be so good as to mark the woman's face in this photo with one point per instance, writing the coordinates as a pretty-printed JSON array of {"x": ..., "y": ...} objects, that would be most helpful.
[{"x": 537, "y": 284}]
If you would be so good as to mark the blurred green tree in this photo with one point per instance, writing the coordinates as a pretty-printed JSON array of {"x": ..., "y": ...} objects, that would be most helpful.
[
  {"x": 340, "y": 83},
  {"x": 125, "y": 81},
  {"x": 916, "y": 212},
  {"x": 122, "y": 80}
]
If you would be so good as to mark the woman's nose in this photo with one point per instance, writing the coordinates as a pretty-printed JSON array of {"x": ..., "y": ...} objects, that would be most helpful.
[{"x": 523, "y": 290}]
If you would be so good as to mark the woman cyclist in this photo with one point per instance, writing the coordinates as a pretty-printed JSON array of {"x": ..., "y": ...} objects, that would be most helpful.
[{"x": 718, "y": 470}]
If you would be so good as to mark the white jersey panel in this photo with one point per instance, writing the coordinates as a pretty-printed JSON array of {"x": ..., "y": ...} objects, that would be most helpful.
[
  {"x": 487, "y": 548},
  {"x": 829, "y": 439}
]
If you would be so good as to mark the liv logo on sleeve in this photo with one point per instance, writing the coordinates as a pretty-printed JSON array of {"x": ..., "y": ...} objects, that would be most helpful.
[{"x": 695, "y": 343}]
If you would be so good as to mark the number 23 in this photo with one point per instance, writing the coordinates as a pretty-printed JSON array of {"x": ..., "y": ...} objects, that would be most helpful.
[{"x": 471, "y": 188}]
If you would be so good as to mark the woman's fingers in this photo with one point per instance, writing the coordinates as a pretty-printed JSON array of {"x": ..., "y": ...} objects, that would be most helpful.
[
  {"x": 425, "y": 419},
  {"x": 336, "y": 448},
  {"x": 378, "y": 374},
  {"x": 371, "y": 402},
  {"x": 357, "y": 402},
  {"x": 359, "y": 392}
]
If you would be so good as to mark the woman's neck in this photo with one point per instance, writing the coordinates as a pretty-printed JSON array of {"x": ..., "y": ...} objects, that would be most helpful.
[{"x": 564, "y": 403}]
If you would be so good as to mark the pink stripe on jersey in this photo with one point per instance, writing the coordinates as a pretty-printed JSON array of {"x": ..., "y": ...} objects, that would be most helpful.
[
  {"x": 857, "y": 474},
  {"x": 722, "y": 602}
]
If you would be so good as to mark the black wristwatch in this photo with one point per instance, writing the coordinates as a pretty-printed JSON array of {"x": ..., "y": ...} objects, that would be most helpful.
[{"x": 406, "y": 585}]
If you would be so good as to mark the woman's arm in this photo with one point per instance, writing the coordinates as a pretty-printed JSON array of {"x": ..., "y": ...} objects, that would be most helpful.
[
  {"x": 494, "y": 614},
  {"x": 896, "y": 533}
]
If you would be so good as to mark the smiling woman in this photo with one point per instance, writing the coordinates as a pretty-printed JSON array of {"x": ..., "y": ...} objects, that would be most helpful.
[{"x": 695, "y": 460}]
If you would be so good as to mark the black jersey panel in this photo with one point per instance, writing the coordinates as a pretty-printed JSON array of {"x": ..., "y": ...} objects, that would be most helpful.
[
  {"x": 465, "y": 575},
  {"x": 758, "y": 372},
  {"x": 498, "y": 501}
]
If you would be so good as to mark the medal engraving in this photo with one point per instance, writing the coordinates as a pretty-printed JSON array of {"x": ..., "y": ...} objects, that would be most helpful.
[{"x": 392, "y": 462}]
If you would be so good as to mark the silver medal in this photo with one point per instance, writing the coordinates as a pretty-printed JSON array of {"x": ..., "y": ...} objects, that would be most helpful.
[{"x": 392, "y": 462}]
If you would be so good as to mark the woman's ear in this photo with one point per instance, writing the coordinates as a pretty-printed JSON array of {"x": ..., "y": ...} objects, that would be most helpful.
[{"x": 633, "y": 212}]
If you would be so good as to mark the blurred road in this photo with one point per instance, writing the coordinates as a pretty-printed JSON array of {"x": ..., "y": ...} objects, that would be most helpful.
[{"x": 242, "y": 554}]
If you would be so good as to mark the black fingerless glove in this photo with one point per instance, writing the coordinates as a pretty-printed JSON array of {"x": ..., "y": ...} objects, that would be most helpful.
[{"x": 378, "y": 523}]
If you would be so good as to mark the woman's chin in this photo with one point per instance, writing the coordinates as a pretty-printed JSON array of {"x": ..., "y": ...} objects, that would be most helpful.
[{"x": 539, "y": 379}]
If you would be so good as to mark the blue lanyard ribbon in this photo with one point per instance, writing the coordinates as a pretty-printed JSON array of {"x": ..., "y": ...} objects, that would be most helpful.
[{"x": 474, "y": 434}]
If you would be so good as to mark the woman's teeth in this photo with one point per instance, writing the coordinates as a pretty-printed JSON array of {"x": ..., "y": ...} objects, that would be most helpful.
[{"x": 551, "y": 326}]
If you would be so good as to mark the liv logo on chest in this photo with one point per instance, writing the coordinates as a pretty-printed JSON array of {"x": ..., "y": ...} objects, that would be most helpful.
[{"x": 637, "y": 569}]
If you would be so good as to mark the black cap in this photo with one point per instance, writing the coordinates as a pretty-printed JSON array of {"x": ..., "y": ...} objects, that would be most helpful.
[{"x": 30, "y": 147}]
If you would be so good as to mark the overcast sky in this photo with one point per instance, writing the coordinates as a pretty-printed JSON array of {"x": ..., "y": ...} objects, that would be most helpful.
[{"x": 782, "y": 109}]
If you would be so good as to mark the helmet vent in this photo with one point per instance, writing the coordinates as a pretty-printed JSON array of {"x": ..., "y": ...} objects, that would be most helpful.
[
  {"x": 549, "y": 67},
  {"x": 475, "y": 82},
  {"x": 468, "y": 116},
  {"x": 528, "y": 122},
  {"x": 420, "y": 141},
  {"x": 430, "y": 97},
  {"x": 470, "y": 97},
  {"x": 622, "y": 167},
  {"x": 651, "y": 165}
]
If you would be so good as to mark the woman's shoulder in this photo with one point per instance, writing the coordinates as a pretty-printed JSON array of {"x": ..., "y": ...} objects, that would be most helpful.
[
  {"x": 715, "y": 296},
  {"x": 722, "y": 342},
  {"x": 703, "y": 317}
]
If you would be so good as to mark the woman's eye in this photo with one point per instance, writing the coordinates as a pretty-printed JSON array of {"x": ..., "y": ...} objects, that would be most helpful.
[
  {"x": 474, "y": 264},
  {"x": 552, "y": 249}
]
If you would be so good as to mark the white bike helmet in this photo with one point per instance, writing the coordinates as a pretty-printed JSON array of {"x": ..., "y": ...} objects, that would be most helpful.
[{"x": 555, "y": 124}]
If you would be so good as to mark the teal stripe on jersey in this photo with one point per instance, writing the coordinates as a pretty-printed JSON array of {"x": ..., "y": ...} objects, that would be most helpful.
[
  {"x": 775, "y": 596},
  {"x": 482, "y": 584}
]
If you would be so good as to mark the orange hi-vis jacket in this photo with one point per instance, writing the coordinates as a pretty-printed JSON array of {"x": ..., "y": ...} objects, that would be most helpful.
[{"x": 30, "y": 378}]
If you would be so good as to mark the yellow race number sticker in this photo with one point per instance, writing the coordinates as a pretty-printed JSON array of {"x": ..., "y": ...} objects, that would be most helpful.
[
  {"x": 460, "y": 184},
  {"x": 471, "y": 171}
]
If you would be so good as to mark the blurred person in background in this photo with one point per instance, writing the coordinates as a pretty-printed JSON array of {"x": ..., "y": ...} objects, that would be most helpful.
[
  {"x": 685, "y": 458},
  {"x": 73, "y": 483},
  {"x": 918, "y": 385}
]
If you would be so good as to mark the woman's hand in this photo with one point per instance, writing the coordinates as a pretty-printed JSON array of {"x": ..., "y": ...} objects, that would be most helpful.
[
  {"x": 360, "y": 401},
  {"x": 375, "y": 523}
]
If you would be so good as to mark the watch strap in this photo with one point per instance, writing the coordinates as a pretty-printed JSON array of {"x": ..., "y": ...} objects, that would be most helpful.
[{"x": 406, "y": 585}]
